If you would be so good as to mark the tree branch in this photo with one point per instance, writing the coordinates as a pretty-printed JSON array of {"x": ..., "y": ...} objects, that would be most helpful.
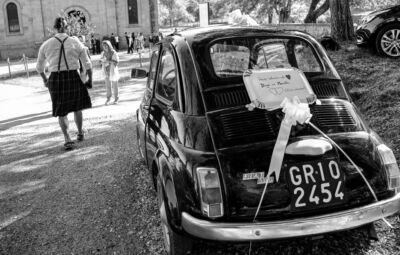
[{"x": 313, "y": 14}]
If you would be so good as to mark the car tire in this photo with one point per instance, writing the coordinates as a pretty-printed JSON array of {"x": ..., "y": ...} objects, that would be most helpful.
[
  {"x": 387, "y": 42},
  {"x": 174, "y": 243}
]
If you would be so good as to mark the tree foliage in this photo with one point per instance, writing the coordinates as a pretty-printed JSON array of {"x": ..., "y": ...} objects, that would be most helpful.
[
  {"x": 372, "y": 4},
  {"x": 263, "y": 11},
  {"x": 173, "y": 12},
  {"x": 77, "y": 25}
]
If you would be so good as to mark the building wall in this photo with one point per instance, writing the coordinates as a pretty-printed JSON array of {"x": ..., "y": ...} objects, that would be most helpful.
[{"x": 109, "y": 16}]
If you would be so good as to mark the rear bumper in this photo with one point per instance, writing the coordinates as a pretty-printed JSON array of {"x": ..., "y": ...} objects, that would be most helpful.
[{"x": 290, "y": 228}]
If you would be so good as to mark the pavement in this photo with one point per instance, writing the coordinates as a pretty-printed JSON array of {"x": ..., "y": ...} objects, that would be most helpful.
[{"x": 127, "y": 61}]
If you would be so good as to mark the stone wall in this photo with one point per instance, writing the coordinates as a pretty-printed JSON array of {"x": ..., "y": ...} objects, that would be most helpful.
[{"x": 109, "y": 16}]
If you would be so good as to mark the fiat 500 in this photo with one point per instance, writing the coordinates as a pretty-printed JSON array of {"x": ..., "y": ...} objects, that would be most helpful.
[{"x": 208, "y": 154}]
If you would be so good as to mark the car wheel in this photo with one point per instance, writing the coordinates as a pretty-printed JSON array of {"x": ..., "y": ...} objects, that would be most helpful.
[
  {"x": 387, "y": 41},
  {"x": 139, "y": 143},
  {"x": 174, "y": 243}
]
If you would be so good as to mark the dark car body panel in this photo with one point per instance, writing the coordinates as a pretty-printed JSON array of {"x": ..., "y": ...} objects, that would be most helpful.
[
  {"x": 367, "y": 32},
  {"x": 208, "y": 125}
]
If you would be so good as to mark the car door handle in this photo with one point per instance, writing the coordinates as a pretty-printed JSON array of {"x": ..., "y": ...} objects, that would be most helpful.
[{"x": 147, "y": 107}]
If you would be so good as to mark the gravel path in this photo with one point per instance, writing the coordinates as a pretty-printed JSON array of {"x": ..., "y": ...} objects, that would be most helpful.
[{"x": 98, "y": 199}]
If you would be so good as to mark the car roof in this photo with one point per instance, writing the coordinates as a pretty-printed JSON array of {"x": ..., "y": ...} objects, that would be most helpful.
[{"x": 209, "y": 33}]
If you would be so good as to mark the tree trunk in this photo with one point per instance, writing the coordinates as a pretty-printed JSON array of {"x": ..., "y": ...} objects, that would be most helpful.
[
  {"x": 284, "y": 13},
  {"x": 314, "y": 13},
  {"x": 341, "y": 21},
  {"x": 270, "y": 14}
]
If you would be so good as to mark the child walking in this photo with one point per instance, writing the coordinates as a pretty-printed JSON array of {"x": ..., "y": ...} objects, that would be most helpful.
[{"x": 109, "y": 59}]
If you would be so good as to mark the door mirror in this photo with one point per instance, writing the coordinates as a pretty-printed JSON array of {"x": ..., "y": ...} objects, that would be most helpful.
[{"x": 138, "y": 73}]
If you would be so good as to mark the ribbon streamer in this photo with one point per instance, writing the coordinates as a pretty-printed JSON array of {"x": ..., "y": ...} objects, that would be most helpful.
[{"x": 295, "y": 112}]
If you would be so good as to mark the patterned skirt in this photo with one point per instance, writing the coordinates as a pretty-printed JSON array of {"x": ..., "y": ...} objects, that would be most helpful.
[{"x": 68, "y": 93}]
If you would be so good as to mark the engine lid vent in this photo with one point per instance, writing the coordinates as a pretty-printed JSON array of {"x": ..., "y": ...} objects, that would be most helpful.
[
  {"x": 257, "y": 123},
  {"x": 223, "y": 98},
  {"x": 333, "y": 114},
  {"x": 326, "y": 89}
]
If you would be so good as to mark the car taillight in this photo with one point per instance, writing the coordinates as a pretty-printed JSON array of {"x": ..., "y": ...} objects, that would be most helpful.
[
  {"x": 391, "y": 167},
  {"x": 210, "y": 192}
]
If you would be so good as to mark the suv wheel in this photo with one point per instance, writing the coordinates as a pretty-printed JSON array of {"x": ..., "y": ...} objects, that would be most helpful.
[
  {"x": 387, "y": 41},
  {"x": 174, "y": 243}
]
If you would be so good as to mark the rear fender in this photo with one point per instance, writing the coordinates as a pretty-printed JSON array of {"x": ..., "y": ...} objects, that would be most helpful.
[{"x": 165, "y": 173}]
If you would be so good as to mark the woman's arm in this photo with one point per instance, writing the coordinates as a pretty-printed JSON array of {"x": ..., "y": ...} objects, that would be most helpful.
[{"x": 115, "y": 58}]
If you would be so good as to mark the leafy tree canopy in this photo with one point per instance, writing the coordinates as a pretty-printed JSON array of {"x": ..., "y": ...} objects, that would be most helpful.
[
  {"x": 77, "y": 25},
  {"x": 263, "y": 11}
]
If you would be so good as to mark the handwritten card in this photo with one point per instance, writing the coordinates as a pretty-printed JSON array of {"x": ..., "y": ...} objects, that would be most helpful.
[{"x": 268, "y": 87}]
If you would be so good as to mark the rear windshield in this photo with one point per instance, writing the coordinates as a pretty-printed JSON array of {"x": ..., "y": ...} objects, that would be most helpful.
[{"x": 231, "y": 57}]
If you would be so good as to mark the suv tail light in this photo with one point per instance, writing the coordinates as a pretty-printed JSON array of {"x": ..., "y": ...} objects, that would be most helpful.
[
  {"x": 210, "y": 192},
  {"x": 391, "y": 167}
]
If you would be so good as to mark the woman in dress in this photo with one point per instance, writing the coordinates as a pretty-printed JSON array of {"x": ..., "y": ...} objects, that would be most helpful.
[{"x": 109, "y": 59}]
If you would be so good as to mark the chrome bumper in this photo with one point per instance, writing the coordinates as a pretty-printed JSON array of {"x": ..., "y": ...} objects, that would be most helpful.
[{"x": 290, "y": 228}]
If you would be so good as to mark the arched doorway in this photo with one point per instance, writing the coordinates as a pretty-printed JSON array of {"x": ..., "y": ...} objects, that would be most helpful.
[
  {"x": 78, "y": 12},
  {"x": 78, "y": 15}
]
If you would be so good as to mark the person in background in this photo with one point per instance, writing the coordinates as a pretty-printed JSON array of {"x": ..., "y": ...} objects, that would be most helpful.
[
  {"x": 130, "y": 47},
  {"x": 67, "y": 92},
  {"x": 112, "y": 40},
  {"x": 133, "y": 37},
  {"x": 116, "y": 38},
  {"x": 109, "y": 59},
  {"x": 127, "y": 41},
  {"x": 82, "y": 69},
  {"x": 93, "y": 43},
  {"x": 140, "y": 42},
  {"x": 98, "y": 49}
]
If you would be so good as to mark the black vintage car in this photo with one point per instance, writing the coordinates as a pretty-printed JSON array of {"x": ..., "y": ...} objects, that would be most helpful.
[
  {"x": 208, "y": 154},
  {"x": 381, "y": 31}
]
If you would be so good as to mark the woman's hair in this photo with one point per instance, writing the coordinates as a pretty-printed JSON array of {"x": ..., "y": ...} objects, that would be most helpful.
[
  {"x": 59, "y": 23},
  {"x": 108, "y": 43},
  {"x": 108, "y": 54}
]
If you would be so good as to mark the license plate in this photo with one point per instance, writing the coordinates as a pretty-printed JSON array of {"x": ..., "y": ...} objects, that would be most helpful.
[{"x": 315, "y": 184}]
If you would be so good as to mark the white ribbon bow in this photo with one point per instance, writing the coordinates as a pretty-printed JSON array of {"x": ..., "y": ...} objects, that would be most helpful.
[{"x": 295, "y": 112}]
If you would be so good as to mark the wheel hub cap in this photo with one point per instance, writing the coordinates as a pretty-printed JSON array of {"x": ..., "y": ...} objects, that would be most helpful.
[{"x": 390, "y": 42}]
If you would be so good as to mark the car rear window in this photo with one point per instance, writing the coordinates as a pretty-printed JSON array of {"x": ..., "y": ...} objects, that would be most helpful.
[{"x": 231, "y": 57}]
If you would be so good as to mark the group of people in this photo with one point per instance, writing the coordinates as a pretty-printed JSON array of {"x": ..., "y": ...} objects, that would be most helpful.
[
  {"x": 136, "y": 43},
  {"x": 68, "y": 62},
  {"x": 70, "y": 69}
]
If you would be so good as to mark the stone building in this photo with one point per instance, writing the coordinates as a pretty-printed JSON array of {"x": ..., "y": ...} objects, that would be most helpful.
[{"x": 24, "y": 23}]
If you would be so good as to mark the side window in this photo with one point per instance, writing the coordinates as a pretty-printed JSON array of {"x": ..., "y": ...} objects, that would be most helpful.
[
  {"x": 152, "y": 70},
  {"x": 12, "y": 18},
  {"x": 167, "y": 79}
]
